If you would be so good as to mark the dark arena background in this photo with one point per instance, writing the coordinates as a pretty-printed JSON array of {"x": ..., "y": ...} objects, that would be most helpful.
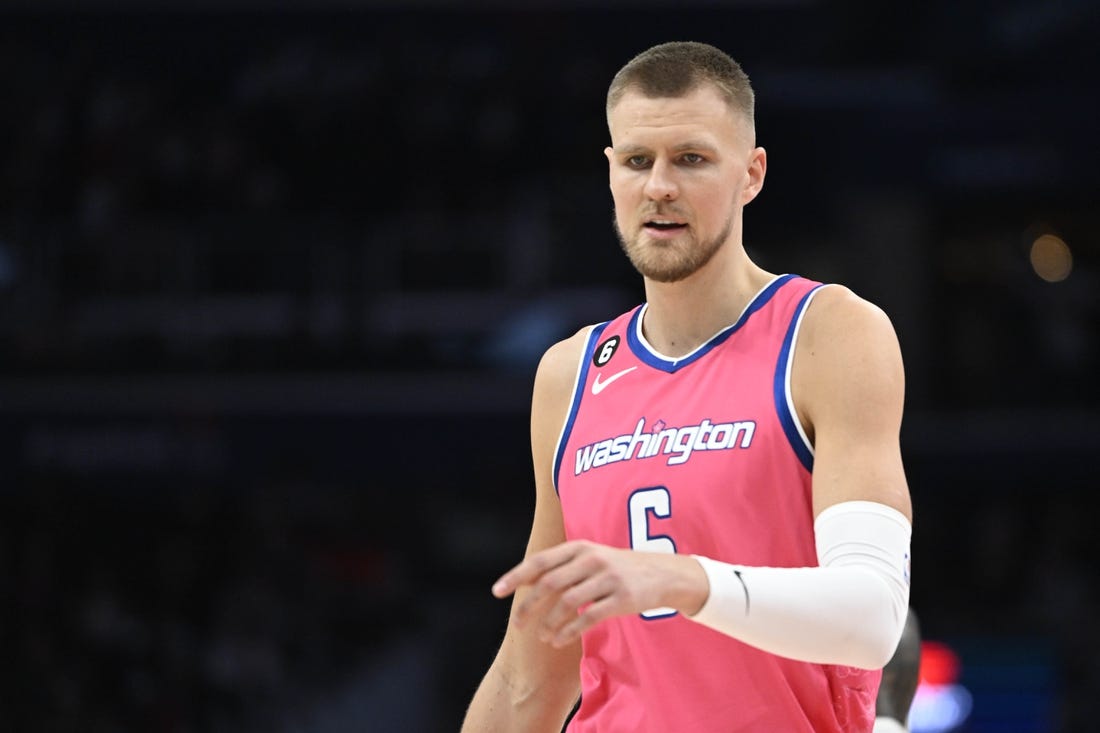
[{"x": 274, "y": 278}]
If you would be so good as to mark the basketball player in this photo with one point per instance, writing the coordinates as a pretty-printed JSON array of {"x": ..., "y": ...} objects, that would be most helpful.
[
  {"x": 900, "y": 678},
  {"x": 722, "y": 523}
]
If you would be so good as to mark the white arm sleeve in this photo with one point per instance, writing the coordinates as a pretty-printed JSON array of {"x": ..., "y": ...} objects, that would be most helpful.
[{"x": 850, "y": 610}]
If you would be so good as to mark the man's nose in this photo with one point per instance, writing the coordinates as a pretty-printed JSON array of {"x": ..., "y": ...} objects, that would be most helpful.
[{"x": 661, "y": 184}]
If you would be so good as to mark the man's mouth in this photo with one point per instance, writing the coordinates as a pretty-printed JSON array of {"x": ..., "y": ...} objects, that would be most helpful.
[{"x": 663, "y": 225}]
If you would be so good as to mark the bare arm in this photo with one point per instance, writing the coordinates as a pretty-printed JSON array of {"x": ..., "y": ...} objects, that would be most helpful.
[
  {"x": 532, "y": 686},
  {"x": 849, "y": 387}
]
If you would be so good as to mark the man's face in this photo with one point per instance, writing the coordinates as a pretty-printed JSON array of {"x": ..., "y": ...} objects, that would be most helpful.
[{"x": 681, "y": 169}]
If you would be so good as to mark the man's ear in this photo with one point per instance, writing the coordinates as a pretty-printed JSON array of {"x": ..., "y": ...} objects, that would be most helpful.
[{"x": 758, "y": 168}]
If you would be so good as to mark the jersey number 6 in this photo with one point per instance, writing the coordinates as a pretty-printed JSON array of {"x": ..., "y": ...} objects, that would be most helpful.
[{"x": 643, "y": 502}]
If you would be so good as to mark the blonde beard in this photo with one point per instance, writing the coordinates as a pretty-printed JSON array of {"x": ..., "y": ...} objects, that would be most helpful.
[{"x": 672, "y": 263}]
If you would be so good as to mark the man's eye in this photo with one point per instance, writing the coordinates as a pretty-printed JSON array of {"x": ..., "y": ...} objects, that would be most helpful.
[
  {"x": 692, "y": 158},
  {"x": 637, "y": 161}
]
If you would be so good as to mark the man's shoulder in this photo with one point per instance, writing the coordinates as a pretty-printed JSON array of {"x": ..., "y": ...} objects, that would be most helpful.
[
  {"x": 558, "y": 366},
  {"x": 840, "y": 320},
  {"x": 563, "y": 356},
  {"x": 836, "y": 302}
]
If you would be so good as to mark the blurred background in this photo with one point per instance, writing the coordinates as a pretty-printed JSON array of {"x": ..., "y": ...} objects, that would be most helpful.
[{"x": 274, "y": 278}]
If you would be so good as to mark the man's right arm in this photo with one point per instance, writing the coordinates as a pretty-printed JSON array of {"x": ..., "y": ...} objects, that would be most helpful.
[{"x": 532, "y": 686}]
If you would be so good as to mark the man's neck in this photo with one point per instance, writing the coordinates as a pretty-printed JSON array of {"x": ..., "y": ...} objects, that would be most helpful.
[{"x": 681, "y": 316}]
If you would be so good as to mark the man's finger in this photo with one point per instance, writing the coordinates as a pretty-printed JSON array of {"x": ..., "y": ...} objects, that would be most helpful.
[
  {"x": 528, "y": 571},
  {"x": 572, "y": 600},
  {"x": 590, "y": 616},
  {"x": 545, "y": 592}
]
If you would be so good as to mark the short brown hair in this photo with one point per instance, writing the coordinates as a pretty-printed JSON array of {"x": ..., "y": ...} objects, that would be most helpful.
[{"x": 677, "y": 68}]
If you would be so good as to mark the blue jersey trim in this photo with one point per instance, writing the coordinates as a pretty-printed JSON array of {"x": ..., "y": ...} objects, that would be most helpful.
[
  {"x": 578, "y": 392},
  {"x": 786, "y": 414},
  {"x": 671, "y": 365}
]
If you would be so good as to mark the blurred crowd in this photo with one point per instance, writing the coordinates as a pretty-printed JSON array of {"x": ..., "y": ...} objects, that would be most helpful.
[
  {"x": 256, "y": 193},
  {"x": 286, "y": 191},
  {"x": 280, "y": 592},
  {"x": 205, "y": 611}
]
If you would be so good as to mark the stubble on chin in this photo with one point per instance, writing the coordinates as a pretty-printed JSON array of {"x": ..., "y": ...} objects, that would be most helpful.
[{"x": 667, "y": 261}]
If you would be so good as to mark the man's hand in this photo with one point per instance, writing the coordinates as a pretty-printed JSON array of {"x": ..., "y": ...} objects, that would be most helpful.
[{"x": 577, "y": 584}]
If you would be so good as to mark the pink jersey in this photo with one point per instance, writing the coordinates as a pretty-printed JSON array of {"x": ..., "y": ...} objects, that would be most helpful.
[{"x": 699, "y": 455}]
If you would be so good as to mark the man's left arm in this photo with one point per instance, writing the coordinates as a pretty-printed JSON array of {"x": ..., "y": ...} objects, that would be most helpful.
[
  {"x": 848, "y": 387},
  {"x": 848, "y": 384}
]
